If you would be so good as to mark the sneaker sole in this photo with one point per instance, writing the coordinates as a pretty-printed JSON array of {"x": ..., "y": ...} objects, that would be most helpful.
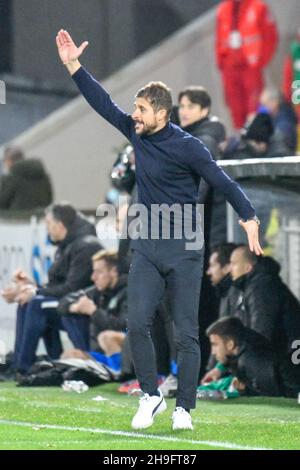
[
  {"x": 162, "y": 407},
  {"x": 177, "y": 428}
]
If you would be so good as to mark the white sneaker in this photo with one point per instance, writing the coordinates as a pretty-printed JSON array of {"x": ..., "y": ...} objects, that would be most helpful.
[
  {"x": 181, "y": 419},
  {"x": 149, "y": 407}
]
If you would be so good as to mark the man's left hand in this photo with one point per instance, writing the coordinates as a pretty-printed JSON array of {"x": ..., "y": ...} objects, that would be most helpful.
[
  {"x": 252, "y": 229},
  {"x": 25, "y": 295},
  {"x": 86, "y": 306}
]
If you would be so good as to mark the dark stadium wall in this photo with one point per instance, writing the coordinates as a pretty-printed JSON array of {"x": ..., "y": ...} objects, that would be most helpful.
[
  {"x": 118, "y": 31},
  {"x": 5, "y": 36}
]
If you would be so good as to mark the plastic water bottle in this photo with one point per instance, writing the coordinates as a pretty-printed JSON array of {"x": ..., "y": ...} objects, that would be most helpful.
[
  {"x": 74, "y": 386},
  {"x": 211, "y": 395}
]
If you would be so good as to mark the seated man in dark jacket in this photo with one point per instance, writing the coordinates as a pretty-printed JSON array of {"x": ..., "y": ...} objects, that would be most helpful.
[
  {"x": 257, "y": 140},
  {"x": 25, "y": 184},
  {"x": 36, "y": 316},
  {"x": 248, "y": 356},
  {"x": 105, "y": 304},
  {"x": 219, "y": 273},
  {"x": 283, "y": 116},
  {"x": 265, "y": 304}
]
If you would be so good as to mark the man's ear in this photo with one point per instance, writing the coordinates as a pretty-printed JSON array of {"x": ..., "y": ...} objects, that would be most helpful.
[
  {"x": 162, "y": 115},
  {"x": 249, "y": 268},
  {"x": 226, "y": 269},
  {"x": 230, "y": 345}
]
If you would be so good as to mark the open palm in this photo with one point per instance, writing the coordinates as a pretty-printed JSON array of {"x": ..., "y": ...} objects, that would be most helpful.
[{"x": 67, "y": 49}]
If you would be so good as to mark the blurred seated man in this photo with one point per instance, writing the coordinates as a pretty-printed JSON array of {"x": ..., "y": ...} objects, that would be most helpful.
[
  {"x": 37, "y": 317},
  {"x": 25, "y": 185},
  {"x": 264, "y": 303},
  {"x": 283, "y": 115},
  {"x": 257, "y": 140},
  {"x": 249, "y": 357},
  {"x": 105, "y": 304},
  {"x": 219, "y": 273}
]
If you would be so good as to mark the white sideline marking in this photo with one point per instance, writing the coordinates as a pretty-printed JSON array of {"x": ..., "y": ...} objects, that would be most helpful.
[{"x": 225, "y": 445}]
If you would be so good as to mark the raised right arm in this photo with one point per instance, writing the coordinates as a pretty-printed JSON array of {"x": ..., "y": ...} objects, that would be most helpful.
[{"x": 93, "y": 92}]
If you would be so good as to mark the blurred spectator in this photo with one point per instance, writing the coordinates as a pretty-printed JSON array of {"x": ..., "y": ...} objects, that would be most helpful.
[
  {"x": 193, "y": 114},
  {"x": 283, "y": 116},
  {"x": 257, "y": 140},
  {"x": 265, "y": 304},
  {"x": 249, "y": 357},
  {"x": 219, "y": 273},
  {"x": 194, "y": 118},
  {"x": 105, "y": 303},
  {"x": 37, "y": 316},
  {"x": 123, "y": 179},
  {"x": 291, "y": 73},
  {"x": 25, "y": 184},
  {"x": 246, "y": 39}
]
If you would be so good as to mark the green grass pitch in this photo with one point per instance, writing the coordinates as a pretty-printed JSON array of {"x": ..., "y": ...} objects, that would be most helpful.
[{"x": 49, "y": 418}]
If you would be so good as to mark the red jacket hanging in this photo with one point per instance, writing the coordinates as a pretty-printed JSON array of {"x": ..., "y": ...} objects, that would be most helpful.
[{"x": 257, "y": 29}]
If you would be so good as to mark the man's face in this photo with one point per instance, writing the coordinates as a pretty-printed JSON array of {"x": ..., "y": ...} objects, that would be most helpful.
[
  {"x": 220, "y": 348},
  {"x": 190, "y": 112},
  {"x": 215, "y": 271},
  {"x": 56, "y": 229},
  {"x": 146, "y": 120},
  {"x": 269, "y": 102},
  {"x": 7, "y": 165},
  {"x": 103, "y": 275},
  {"x": 239, "y": 266}
]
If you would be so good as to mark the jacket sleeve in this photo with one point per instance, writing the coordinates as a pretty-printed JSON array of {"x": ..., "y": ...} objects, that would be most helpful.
[
  {"x": 270, "y": 36},
  {"x": 78, "y": 275},
  {"x": 104, "y": 320},
  {"x": 262, "y": 308},
  {"x": 72, "y": 298},
  {"x": 203, "y": 165},
  {"x": 101, "y": 102},
  {"x": 8, "y": 188},
  {"x": 258, "y": 373},
  {"x": 211, "y": 144}
]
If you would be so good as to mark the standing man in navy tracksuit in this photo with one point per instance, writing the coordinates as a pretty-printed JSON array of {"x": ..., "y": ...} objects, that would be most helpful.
[{"x": 169, "y": 166}]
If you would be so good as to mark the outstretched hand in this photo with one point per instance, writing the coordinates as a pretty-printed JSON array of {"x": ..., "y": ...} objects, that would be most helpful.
[
  {"x": 67, "y": 49},
  {"x": 252, "y": 229}
]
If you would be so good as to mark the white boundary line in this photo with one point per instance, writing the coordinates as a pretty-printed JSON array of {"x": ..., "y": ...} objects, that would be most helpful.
[{"x": 224, "y": 445}]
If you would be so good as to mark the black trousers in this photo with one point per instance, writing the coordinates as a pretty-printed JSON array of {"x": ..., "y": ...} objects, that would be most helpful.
[{"x": 158, "y": 265}]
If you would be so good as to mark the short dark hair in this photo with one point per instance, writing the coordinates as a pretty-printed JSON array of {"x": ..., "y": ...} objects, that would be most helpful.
[
  {"x": 14, "y": 154},
  {"x": 198, "y": 95},
  {"x": 63, "y": 212},
  {"x": 158, "y": 95},
  {"x": 247, "y": 254},
  {"x": 228, "y": 328},
  {"x": 224, "y": 251}
]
